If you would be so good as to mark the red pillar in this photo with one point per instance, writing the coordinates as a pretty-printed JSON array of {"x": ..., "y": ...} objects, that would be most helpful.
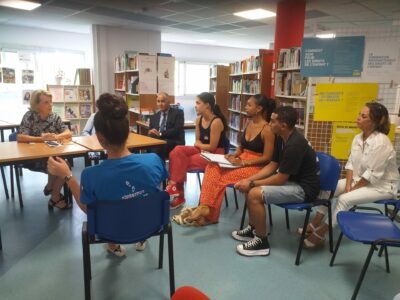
[{"x": 289, "y": 26}]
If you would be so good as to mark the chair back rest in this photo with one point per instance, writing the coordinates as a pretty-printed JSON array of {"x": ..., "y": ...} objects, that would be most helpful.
[
  {"x": 12, "y": 137},
  {"x": 128, "y": 221},
  {"x": 329, "y": 172}
]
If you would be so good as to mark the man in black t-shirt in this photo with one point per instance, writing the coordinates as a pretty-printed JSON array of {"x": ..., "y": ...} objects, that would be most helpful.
[{"x": 291, "y": 176}]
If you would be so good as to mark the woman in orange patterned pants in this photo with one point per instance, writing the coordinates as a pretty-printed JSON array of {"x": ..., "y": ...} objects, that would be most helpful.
[{"x": 255, "y": 152}]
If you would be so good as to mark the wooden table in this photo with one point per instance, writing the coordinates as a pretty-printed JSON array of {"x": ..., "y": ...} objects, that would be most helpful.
[
  {"x": 142, "y": 126},
  {"x": 4, "y": 125},
  {"x": 13, "y": 153},
  {"x": 135, "y": 141}
]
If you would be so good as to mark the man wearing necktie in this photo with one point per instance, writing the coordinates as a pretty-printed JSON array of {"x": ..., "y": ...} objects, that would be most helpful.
[{"x": 167, "y": 124}]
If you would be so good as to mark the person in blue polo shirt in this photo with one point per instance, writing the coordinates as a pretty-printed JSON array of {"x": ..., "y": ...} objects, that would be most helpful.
[{"x": 123, "y": 175}]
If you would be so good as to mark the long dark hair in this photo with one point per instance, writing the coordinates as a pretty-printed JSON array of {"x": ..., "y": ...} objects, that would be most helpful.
[
  {"x": 380, "y": 116},
  {"x": 268, "y": 105},
  {"x": 209, "y": 98},
  {"x": 111, "y": 120}
]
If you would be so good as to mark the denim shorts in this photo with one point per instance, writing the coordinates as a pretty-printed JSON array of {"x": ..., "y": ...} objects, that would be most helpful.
[{"x": 290, "y": 192}]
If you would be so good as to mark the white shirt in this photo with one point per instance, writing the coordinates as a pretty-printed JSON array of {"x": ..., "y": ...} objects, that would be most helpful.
[{"x": 374, "y": 160}]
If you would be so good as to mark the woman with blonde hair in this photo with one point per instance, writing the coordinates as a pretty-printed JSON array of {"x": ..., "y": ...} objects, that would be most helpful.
[{"x": 38, "y": 125}]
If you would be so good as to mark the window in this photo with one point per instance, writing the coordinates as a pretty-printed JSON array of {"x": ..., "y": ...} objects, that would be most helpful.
[{"x": 191, "y": 78}]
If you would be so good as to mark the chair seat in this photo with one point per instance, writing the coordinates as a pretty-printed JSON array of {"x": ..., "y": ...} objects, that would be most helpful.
[
  {"x": 302, "y": 205},
  {"x": 366, "y": 227},
  {"x": 390, "y": 201}
]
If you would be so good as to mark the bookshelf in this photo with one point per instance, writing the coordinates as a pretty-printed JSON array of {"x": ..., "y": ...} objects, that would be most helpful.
[
  {"x": 219, "y": 86},
  {"x": 290, "y": 85},
  {"x": 74, "y": 103},
  {"x": 138, "y": 77},
  {"x": 248, "y": 77}
]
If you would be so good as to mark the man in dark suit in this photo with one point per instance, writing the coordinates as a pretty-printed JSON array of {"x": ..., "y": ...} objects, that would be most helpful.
[{"x": 167, "y": 124}]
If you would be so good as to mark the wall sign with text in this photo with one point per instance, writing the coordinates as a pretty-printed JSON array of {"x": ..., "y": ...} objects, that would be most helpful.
[{"x": 338, "y": 57}]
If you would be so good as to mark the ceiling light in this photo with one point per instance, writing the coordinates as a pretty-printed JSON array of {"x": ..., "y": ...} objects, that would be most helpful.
[
  {"x": 19, "y": 4},
  {"x": 255, "y": 14},
  {"x": 326, "y": 35}
]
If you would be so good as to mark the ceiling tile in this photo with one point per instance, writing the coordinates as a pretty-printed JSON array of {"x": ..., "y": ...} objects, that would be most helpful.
[
  {"x": 186, "y": 26},
  {"x": 229, "y": 18},
  {"x": 312, "y": 14},
  {"x": 181, "y": 6},
  {"x": 205, "y": 30},
  {"x": 206, "y": 22},
  {"x": 107, "y": 12},
  {"x": 181, "y": 18},
  {"x": 207, "y": 12},
  {"x": 225, "y": 27},
  {"x": 157, "y": 12},
  {"x": 70, "y": 4},
  {"x": 248, "y": 24},
  {"x": 148, "y": 19}
]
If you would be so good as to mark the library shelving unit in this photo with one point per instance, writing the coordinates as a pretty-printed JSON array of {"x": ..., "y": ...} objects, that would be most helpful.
[
  {"x": 290, "y": 85},
  {"x": 74, "y": 103},
  {"x": 136, "y": 78},
  {"x": 248, "y": 77},
  {"x": 219, "y": 86}
]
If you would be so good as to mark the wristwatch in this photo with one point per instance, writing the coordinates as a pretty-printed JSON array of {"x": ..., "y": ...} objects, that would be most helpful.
[
  {"x": 68, "y": 178},
  {"x": 252, "y": 184}
]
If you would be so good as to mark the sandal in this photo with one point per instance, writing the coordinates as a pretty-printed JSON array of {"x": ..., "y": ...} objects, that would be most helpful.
[
  {"x": 119, "y": 250},
  {"x": 180, "y": 219},
  {"x": 319, "y": 241},
  {"x": 46, "y": 191},
  {"x": 61, "y": 203},
  {"x": 309, "y": 230}
]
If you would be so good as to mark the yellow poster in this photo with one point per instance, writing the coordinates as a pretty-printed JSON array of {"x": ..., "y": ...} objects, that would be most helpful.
[
  {"x": 342, "y": 101},
  {"x": 343, "y": 134},
  {"x": 342, "y": 137}
]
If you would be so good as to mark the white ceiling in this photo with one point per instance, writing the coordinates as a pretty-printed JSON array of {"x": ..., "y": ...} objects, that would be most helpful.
[{"x": 190, "y": 21}]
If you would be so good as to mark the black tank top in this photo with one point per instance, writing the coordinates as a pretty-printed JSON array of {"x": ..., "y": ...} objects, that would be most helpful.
[
  {"x": 205, "y": 134},
  {"x": 256, "y": 145}
]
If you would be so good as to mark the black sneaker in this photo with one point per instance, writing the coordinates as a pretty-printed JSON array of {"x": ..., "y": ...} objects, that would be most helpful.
[
  {"x": 245, "y": 234},
  {"x": 255, "y": 247}
]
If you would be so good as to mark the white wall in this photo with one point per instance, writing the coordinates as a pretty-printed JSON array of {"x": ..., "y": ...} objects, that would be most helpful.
[
  {"x": 205, "y": 53},
  {"x": 38, "y": 38},
  {"x": 109, "y": 42}
]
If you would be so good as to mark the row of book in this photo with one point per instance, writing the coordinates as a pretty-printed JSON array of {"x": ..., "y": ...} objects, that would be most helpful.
[
  {"x": 234, "y": 121},
  {"x": 289, "y": 58},
  {"x": 248, "y": 65},
  {"x": 251, "y": 86},
  {"x": 290, "y": 84},
  {"x": 236, "y": 86},
  {"x": 126, "y": 61},
  {"x": 234, "y": 137},
  {"x": 213, "y": 71},
  {"x": 73, "y": 111},
  {"x": 235, "y": 102},
  {"x": 71, "y": 93}
]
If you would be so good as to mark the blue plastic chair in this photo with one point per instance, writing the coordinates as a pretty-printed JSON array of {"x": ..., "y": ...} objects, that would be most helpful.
[
  {"x": 18, "y": 172},
  {"x": 329, "y": 176},
  {"x": 370, "y": 229},
  {"x": 128, "y": 222}
]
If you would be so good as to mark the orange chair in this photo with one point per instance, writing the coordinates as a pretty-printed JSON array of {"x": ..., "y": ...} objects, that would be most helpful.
[{"x": 189, "y": 293}]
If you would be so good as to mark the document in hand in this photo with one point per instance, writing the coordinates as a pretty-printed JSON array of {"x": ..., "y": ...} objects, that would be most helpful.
[{"x": 219, "y": 159}]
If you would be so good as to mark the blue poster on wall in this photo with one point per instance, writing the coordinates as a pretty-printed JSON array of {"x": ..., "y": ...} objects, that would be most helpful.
[{"x": 339, "y": 57}]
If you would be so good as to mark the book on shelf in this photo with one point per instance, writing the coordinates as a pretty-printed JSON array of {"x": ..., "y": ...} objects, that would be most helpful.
[
  {"x": 134, "y": 84},
  {"x": 219, "y": 159},
  {"x": 283, "y": 84},
  {"x": 85, "y": 94},
  {"x": 234, "y": 121},
  {"x": 213, "y": 71},
  {"x": 57, "y": 93},
  {"x": 59, "y": 109},
  {"x": 289, "y": 58},
  {"x": 235, "y": 102},
  {"x": 164, "y": 54},
  {"x": 236, "y": 67},
  {"x": 71, "y": 111},
  {"x": 85, "y": 110},
  {"x": 251, "y": 86},
  {"x": 237, "y": 86},
  {"x": 299, "y": 84},
  {"x": 69, "y": 94}
]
